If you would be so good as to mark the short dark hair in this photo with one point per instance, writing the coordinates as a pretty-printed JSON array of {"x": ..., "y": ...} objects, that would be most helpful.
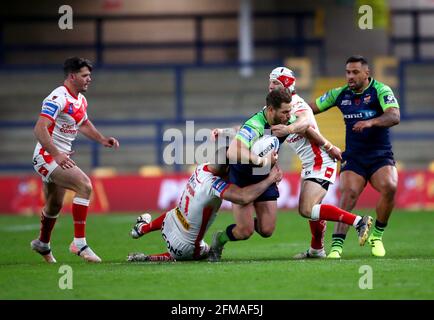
[
  {"x": 74, "y": 64},
  {"x": 357, "y": 58},
  {"x": 276, "y": 97}
]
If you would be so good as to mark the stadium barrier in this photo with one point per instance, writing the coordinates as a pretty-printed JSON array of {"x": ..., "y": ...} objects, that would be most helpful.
[{"x": 135, "y": 193}]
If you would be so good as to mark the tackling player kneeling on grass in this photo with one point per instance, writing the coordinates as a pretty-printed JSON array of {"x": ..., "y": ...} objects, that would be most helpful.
[
  {"x": 63, "y": 115},
  {"x": 183, "y": 228}
]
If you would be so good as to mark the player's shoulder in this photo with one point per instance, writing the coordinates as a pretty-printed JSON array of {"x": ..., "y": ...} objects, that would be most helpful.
[
  {"x": 206, "y": 178},
  {"x": 203, "y": 172},
  {"x": 57, "y": 96},
  {"x": 299, "y": 104},
  {"x": 256, "y": 121},
  {"x": 334, "y": 93},
  {"x": 381, "y": 87}
]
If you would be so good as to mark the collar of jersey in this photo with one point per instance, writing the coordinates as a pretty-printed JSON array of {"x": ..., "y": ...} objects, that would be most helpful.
[{"x": 369, "y": 85}]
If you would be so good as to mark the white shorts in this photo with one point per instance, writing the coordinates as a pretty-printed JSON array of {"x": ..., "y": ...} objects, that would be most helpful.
[
  {"x": 327, "y": 171},
  {"x": 178, "y": 248},
  {"x": 44, "y": 165}
]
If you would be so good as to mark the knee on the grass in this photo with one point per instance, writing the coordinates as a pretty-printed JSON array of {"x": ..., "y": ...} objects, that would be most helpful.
[{"x": 265, "y": 231}]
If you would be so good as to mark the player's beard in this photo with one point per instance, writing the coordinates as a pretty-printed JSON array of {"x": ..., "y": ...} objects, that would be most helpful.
[{"x": 84, "y": 87}]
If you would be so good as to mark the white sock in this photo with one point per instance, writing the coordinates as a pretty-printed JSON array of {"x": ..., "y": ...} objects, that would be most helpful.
[
  {"x": 313, "y": 251},
  {"x": 356, "y": 221},
  {"x": 314, "y": 215},
  {"x": 80, "y": 242}
]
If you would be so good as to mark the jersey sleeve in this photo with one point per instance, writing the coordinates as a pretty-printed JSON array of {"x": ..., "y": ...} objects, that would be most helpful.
[
  {"x": 219, "y": 186},
  {"x": 50, "y": 109},
  {"x": 248, "y": 135},
  {"x": 386, "y": 97},
  {"x": 328, "y": 99}
]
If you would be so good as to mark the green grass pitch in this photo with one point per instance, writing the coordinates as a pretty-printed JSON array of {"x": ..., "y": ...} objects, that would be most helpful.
[{"x": 254, "y": 269}]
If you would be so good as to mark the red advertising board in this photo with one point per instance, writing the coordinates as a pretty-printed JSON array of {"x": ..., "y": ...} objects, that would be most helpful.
[{"x": 138, "y": 194}]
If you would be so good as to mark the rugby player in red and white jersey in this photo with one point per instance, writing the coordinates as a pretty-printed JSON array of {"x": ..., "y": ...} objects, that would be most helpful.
[
  {"x": 183, "y": 228},
  {"x": 318, "y": 157},
  {"x": 63, "y": 115}
]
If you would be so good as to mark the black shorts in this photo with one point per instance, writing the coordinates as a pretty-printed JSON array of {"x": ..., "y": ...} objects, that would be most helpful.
[
  {"x": 323, "y": 183},
  {"x": 243, "y": 179},
  {"x": 366, "y": 165}
]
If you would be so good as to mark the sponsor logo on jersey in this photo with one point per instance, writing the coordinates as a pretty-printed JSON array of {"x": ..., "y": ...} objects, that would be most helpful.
[
  {"x": 219, "y": 185},
  {"x": 295, "y": 139},
  {"x": 346, "y": 102},
  {"x": 369, "y": 113},
  {"x": 329, "y": 172},
  {"x": 170, "y": 248},
  {"x": 181, "y": 219},
  {"x": 353, "y": 116},
  {"x": 367, "y": 99},
  {"x": 68, "y": 129},
  {"x": 71, "y": 108},
  {"x": 324, "y": 96},
  {"x": 43, "y": 171},
  {"x": 388, "y": 99},
  {"x": 247, "y": 133},
  {"x": 49, "y": 108}
]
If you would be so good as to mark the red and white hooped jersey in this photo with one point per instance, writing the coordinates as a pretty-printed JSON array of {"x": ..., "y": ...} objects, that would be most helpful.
[
  {"x": 310, "y": 154},
  {"x": 67, "y": 113},
  {"x": 198, "y": 205}
]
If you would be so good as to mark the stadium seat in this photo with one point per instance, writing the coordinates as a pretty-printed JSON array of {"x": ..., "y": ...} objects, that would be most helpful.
[
  {"x": 431, "y": 166},
  {"x": 150, "y": 171},
  {"x": 331, "y": 123},
  {"x": 103, "y": 172},
  {"x": 400, "y": 166}
]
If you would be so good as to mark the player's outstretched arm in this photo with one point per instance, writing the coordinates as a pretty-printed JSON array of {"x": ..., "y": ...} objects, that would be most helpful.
[
  {"x": 44, "y": 138},
  {"x": 89, "y": 130},
  {"x": 248, "y": 194},
  {"x": 389, "y": 118},
  {"x": 229, "y": 132},
  {"x": 317, "y": 138},
  {"x": 314, "y": 108}
]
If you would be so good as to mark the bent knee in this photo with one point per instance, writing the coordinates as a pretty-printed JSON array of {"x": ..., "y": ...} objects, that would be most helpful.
[
  {"x": 85, "y": 186},
  {"x": 266, "y": 233},
  {"x": 389, "y": 190},
  {"x": 305, "y": 211}
]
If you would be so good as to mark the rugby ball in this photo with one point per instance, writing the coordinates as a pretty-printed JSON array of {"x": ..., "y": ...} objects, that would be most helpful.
[{"x": 265, "y": 145}]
